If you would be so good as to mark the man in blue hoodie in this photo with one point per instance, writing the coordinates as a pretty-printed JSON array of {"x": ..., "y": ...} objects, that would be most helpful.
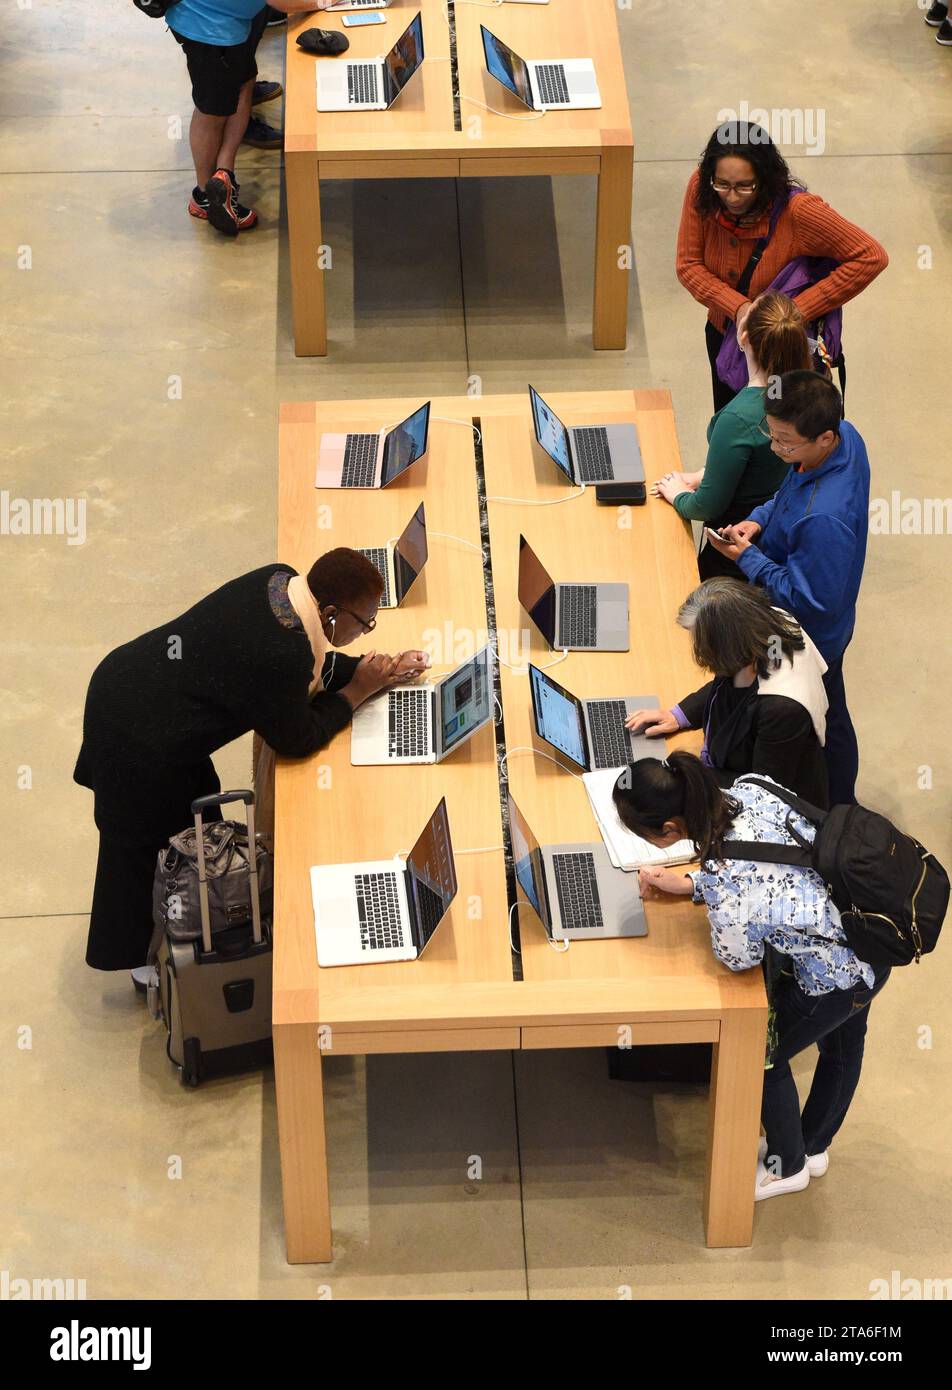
[{"x": 811, "y": 541}]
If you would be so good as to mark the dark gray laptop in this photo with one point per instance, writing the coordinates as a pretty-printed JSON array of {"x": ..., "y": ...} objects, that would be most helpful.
[
  {"x": 588, "y": 453},
  {"x": 574, "y": 889},
  {"x": 572, "y": 617},
  {"x": 591, "y": 733}
]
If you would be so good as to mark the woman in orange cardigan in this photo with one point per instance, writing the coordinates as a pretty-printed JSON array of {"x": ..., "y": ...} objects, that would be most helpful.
[{"x": 740, "y": 183}]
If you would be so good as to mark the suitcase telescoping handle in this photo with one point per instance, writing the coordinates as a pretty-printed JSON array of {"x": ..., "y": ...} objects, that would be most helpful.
[{"x": 198, "y": 806}]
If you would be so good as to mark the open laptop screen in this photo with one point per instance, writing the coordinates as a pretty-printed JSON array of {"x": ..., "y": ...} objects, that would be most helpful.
[
  {"x": 405, "y": 444},
  {"x": 431, "y": 876},
  {"x": 558, "y": 717},
  {"x": 507, "y": 67},
  {"x": 551, "y": 434},
  {"x": 403, "y": 59},
  {"x": 527, "y": 860},
  {"x": 536, "y": 591},
  {"x": 465, "y": 699},
  {"x": 409, "y": 553}
]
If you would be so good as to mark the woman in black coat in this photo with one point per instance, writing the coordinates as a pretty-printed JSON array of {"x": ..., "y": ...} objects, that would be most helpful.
[
  {"x": 251, "y": 656},
  {"x": 765, "y": 709}
]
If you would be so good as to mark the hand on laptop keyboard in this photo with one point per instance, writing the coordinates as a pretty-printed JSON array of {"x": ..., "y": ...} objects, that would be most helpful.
[{"x": 654, "y": 723}]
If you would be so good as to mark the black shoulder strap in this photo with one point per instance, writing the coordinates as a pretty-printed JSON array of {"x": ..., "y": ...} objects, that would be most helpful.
[
  {"x": 762, "y": 852},
  {"x": 747, "y": 274},
  {"x": 803, "y": 808},
  {"x": 760, "y": 246}
]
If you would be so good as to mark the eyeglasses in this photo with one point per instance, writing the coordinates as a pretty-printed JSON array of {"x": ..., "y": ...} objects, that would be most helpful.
[
  {"x": 367, "y": 627},
  {"x": 719, "y": 186},
  {"x": 784, "y": 448}
]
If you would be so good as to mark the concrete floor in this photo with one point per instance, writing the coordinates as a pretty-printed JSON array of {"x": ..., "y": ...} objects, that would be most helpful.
[{"x": 588, "y": 1185}]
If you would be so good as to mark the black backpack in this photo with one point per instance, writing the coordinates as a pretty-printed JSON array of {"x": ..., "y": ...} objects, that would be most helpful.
[
  {"x": 155, "y": 9},
  {"x": 891, "y": 892}
]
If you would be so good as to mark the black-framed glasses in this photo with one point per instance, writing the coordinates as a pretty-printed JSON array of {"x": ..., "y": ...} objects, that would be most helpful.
[
  {"x": 367, "y": 627},
  {"x": 722, "y": 187}
]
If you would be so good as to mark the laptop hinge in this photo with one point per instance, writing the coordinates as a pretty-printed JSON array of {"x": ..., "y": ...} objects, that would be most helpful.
[
  {"x": 549, "y": 922},
  {"x": 437, "y": 739},
  {"x": 411, "y": 908}
]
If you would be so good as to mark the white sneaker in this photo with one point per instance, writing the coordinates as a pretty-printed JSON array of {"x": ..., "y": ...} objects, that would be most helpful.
[
  {"x": 817, "y": 1163},
  {"x": 143, "y": 976},
  {"x": 766, "y": 1185}
]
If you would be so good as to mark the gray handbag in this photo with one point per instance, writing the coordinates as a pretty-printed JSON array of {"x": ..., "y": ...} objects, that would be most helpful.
[{"x": 211, "y": 944}]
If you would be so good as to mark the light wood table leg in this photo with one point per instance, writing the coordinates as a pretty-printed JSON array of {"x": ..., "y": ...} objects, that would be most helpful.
[
  {"x": 300, "y": 1100},
  {"x": 737, "y": 1081},
  {"x": 303, "y": 191},
  {"x": 614, "y": 252}
]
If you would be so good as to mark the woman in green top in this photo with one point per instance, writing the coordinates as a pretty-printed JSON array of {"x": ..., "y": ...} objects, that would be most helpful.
[{"x": 742, "y": 471}]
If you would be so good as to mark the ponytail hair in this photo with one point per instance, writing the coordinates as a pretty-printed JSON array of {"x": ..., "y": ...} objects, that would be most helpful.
[
  {"x": 777, "y": 335},
  {"x": 651, "y": 792}
]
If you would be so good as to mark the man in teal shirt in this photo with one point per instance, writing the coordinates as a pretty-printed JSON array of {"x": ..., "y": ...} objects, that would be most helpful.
[{"x": 220, "y": 38}]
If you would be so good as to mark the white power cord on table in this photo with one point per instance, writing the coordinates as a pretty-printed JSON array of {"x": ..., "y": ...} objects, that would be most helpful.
[
  {"x": 480, "y": 849},
  {"x": 524, "y": 748},
  {"x": 524, "y": 670},
  {"x": 449, "y": 420},
  {"x": 560, "y": 946},
  {"x": 537, "y": 502}
]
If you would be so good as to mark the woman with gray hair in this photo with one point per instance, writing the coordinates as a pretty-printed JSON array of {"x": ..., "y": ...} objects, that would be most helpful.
[{"x": 765, "y": 709}]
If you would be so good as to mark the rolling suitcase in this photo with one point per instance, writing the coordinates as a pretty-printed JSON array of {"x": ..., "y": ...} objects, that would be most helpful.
[{"x": 213, "y": 966}]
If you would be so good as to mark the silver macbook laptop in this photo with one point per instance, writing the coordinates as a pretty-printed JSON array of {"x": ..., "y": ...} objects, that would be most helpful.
[
  {"x": 400, "y": 563},
  {"x": 373, "y": 460},
  {"x": 591, "y": 733},
  {"x": 424, "y": 723},
  {"x": 385, "y": 910},
  {"x": 574, "y": 889},
  {"x": 573, "y": 617},
  {"x": 588, "y": 453},
  {"x": 339, "y": 6},
  {"x": 372, "y": 85},
  {"x": 553, "y": 84}
]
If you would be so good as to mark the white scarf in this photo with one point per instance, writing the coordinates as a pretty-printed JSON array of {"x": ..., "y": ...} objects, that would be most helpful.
[{"x": 801, "y": 679}]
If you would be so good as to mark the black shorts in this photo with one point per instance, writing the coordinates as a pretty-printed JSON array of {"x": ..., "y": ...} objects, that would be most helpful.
[{"x": 219, "y": 73}]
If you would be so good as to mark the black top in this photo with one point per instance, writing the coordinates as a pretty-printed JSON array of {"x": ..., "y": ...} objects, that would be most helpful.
[
  {"x": 158, "y": 706},
  {"x": 749, "y": 732}
]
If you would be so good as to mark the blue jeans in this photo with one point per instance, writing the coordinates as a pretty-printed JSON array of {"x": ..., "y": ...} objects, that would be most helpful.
[
  {"x": 836, "y": 1022},
  {"x": 841, "y": 749}
]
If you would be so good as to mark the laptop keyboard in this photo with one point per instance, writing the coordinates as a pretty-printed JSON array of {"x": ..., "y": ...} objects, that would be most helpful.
[
  {"x": 611, "y": 746},
  {"x": 360, "y": 460},
  {"x": 590, "y": 447},
  {"x": 362, "y": 84},
  {"x": 409, "y": 712},
  {"x": 377, "y": 555},
  {"x": 553, "y": 88},
  {"x": 577, "y": 615},
  {"x": 576, "y": 885},
  {"x": 378, "y": 908}
]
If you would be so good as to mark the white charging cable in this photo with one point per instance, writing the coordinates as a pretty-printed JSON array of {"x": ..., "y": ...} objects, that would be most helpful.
[
  {"x": 524, "y": 670},
  {"x": 524, "y": 748},
  {"x": 540, "y": 502},
  {"x": 561, "y": 947},
  {"x": 449, "y": 420},
  {"x": 448, "y": 536},
  {"x": 481, "y": 849}
]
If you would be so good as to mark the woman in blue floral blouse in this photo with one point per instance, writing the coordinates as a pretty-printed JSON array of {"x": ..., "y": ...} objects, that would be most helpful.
[{"x": 823, "y": 993}]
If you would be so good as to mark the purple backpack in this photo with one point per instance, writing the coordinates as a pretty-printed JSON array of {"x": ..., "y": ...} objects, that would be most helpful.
[{"x": 796, "y": 276}]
